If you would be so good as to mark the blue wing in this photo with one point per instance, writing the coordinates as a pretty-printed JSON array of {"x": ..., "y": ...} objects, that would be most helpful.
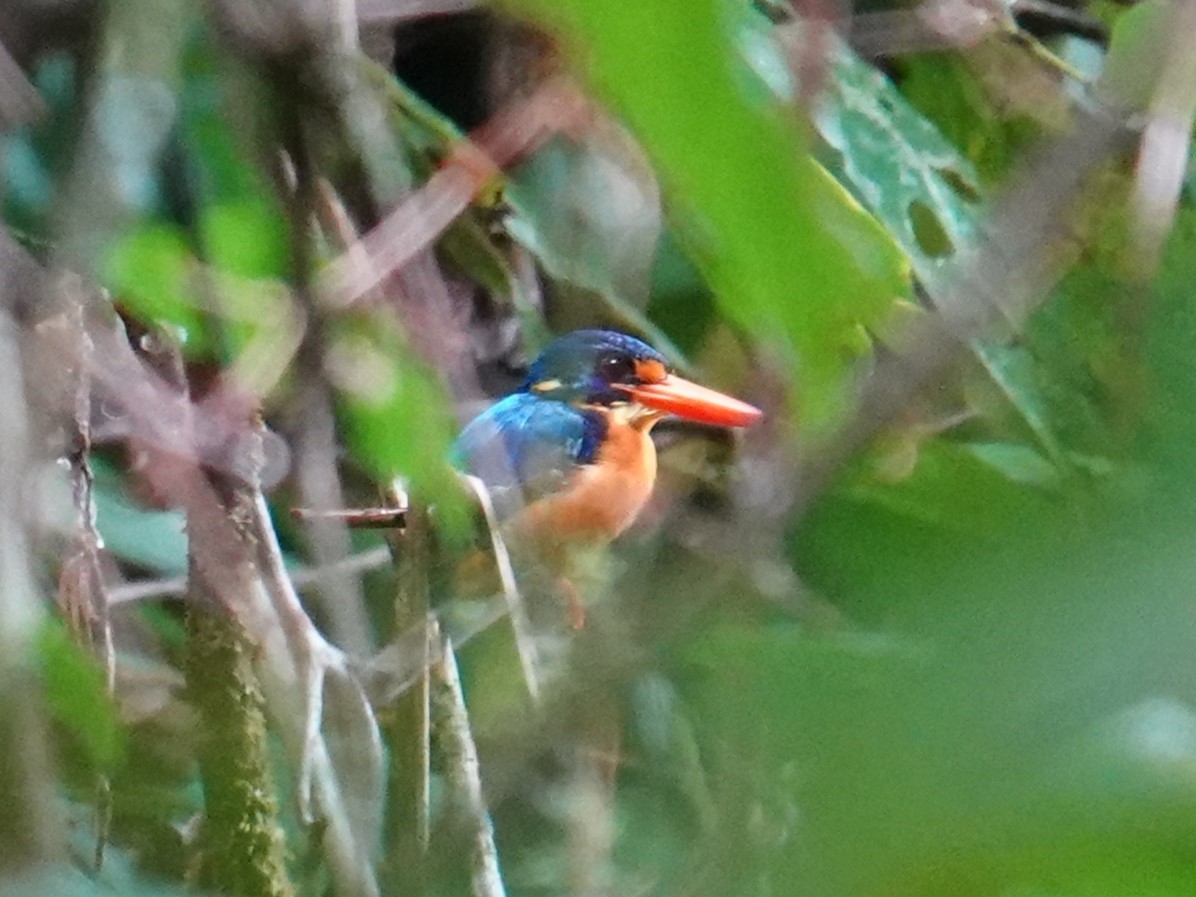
[{"x": 525, "y": 447}]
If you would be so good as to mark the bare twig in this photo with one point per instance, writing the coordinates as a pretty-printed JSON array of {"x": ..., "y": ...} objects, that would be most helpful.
[
  {"x": 525, "y": 643},
  {"x": 303, "y": 577},
  {"x": 952, "y": 24},
  {"x": 356, "y": 518},
  {"x": 338, "y": 776},
  {"x": 82, "y": 591},
  {"x": 312, "y": 422},
  {"x": 341, "y": 779},
  {"x": 395, "y": 670},
  {"x": 242, "y": 847}
]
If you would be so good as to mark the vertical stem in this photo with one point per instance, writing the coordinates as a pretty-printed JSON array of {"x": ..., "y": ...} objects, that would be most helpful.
[
  {"x": 315, "y": 438},
  {"x": 28, "y": 829},
  {"x": 81, "y": 588},
  {"x": 242, "y": 852}
]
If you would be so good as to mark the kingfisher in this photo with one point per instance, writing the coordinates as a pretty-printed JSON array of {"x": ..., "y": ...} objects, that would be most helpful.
[{"x": 568, "y": 458}]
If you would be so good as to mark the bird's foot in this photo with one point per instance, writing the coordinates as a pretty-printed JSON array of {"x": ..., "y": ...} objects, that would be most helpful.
[{"x": 577, "y": 610}]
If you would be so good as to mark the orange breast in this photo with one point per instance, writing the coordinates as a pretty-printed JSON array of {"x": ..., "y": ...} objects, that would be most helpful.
[{"x": 602, "y": 499}]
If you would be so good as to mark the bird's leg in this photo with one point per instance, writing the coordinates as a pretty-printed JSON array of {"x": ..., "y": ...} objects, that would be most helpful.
[{"x": 573, "y": 602}]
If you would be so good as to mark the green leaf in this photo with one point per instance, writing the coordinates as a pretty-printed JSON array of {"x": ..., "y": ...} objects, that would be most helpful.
[
  {"x": 959, "y": 489},
  {"x": 899, "y": 165},
  {"x": 590, "y": 215},
  {"x": 1038, "y": 736},
  {"x": 151, "y": 271},
  {"x": 1131, "y": 64},
  {"x": 869, "y": 541},
  {"x": 79, "y": 699},
  {"x": 1013, "y": 370},
  {"x": 246, "y": 237},
  {"x": 926, "y": 192},
  {"x": 1018, "y": 463},
  {"x": 946, "y": 91}
]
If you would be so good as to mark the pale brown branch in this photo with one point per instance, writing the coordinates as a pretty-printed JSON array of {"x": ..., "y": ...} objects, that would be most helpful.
[
  {"x": 19, "y": 100},
  {"x": 30, "y": 831},
  {"x": 424, "y": 214}
]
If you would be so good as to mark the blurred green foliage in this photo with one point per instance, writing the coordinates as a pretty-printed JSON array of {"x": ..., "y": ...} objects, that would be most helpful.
[{"x": 1002, "y": 702}]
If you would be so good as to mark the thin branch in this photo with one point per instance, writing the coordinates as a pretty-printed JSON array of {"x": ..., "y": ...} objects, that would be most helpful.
[
  {"x": 312, "y": 422},
  {"x": 954, "y": 24},
  {"x": 340, "y": 777},
  {"x": 242, "y": 848},
  {"x": 473, "y": 164},
  {"x": 1166, "y": 138},
  {"x": 344, "y": 785},
  {"x": 19, "y": 100}
]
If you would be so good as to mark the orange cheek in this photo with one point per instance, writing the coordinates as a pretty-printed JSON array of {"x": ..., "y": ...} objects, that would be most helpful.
[{"x": 650, "y": 370}]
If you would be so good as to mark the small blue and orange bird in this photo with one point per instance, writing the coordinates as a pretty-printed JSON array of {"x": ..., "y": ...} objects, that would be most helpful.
[{"x": 568, "y": 459}]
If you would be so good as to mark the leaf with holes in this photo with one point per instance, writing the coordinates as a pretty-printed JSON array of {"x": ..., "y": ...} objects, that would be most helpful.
[
  {"x": 926, "y": 192},
  {"x": 898, "y": 164}
]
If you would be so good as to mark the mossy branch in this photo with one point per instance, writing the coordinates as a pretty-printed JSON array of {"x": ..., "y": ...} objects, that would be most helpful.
[{"x": 242, "y": 850}]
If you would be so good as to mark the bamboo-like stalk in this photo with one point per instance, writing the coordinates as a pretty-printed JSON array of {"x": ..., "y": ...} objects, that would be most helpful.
[
  {"x": 463, "y": 769},
  {"x": 408, "y": 723}
]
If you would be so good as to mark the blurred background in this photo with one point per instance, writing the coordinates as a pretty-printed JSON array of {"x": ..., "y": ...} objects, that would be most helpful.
[{"x": 929, "y": 629}]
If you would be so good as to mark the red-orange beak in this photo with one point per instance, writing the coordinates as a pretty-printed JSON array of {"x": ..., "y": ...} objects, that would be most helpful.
[{"x": 684, "y": 398}]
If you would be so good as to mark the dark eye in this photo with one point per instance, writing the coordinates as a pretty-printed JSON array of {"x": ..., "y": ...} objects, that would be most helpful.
[{"x": 616, "y": 368}]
